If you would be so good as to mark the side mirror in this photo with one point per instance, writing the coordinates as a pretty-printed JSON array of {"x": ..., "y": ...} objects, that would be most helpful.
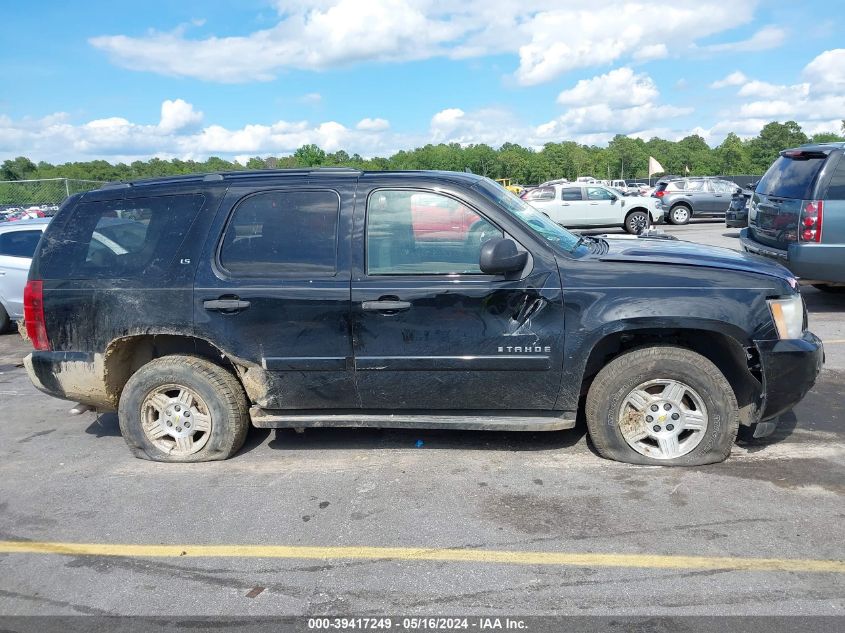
[
  {"x": 613, "y": 198},
  {"x": 500, "y": 256}
]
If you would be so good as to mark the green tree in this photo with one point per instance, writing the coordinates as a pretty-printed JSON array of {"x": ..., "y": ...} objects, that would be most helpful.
[
  {"x": 732, "y": 156},
  {"x": 309, "y": 156},
  {"x": 774, "y": 137},
  {"x": 21, "y": 168}
]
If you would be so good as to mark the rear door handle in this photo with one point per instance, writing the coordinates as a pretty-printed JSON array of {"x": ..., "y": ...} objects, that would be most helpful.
[
  {"x": 225, "y": 305},
  {"x": 385, "y": 306}
]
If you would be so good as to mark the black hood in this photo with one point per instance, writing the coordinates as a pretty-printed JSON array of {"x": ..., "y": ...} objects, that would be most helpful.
[{"x": 678, "y": 252}]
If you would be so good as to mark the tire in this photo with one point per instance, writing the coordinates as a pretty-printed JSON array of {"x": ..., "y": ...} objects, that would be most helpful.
[
  {"x": 5, "y": 321},
  {"x": 680, "y": 214},
  {"x": 157, "y": 394},
  {"x": 837, "y": 290},
  {"x": 706, "y": 430},
  {"x": 636, "y": 222}
]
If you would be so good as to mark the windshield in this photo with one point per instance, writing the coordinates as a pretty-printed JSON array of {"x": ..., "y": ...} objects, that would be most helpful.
[{"x": 539, "y": 222}]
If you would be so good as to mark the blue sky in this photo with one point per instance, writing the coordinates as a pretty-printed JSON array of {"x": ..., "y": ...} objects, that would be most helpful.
[{"x": 120, "y": 81}]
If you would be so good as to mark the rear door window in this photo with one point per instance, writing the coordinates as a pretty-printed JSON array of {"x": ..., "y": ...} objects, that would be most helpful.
[
  {"x": 571, "y": 193},
  {"x": 283, "y": 233},
  {"x": 792, "y": 177},
  {"x": 119, "y": 238},
  {"x": 19, "y": 243}
]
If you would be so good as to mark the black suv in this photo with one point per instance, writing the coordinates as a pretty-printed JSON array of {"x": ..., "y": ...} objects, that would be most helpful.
[{"x": 196, "y": 306}]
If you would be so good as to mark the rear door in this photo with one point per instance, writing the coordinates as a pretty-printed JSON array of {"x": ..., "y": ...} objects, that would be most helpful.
[
  {"x": 272, "y": 289},
  {"x": 431, "y": 331},
  {"x": 722, "y": 193},
  {"x": 775, "y": 210},
  {"x": 16, "y": 249}
]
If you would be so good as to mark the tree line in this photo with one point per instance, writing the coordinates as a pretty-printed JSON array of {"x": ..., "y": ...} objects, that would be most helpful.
[{"x": 624, "y": 157}]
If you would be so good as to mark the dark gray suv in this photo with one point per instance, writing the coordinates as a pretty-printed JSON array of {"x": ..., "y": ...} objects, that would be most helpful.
[
  {"x": 685, "y": 198},
  {"x": 797, "y": 214}
]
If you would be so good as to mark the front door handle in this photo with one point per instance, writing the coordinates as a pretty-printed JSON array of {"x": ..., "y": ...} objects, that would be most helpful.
[
  {"x": 225, "y": 305},
  {"x": 385, "y": 306}
]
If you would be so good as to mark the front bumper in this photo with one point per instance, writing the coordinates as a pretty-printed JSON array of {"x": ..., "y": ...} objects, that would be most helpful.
[
  {"x": 789, "y": 368},
  {"x": 75, "y": 376}
]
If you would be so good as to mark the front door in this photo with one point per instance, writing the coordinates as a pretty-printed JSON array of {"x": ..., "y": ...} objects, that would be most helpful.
[
  {"x": 602, "y": 209},
  {"x": 273, "y": 292},
  {"x": 431, "y": 331}
]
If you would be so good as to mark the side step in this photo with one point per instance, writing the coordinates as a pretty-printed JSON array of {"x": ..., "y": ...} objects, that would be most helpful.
[{"x": 508, "y": 420}]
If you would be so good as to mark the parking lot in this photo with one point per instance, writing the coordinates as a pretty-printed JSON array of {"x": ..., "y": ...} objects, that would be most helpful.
[{"x": 347, "y": 521}]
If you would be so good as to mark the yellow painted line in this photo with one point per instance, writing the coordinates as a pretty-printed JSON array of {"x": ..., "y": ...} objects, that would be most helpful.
[
  {"x": 834, "y": 341},
  {"x": 646, "y": 561}
]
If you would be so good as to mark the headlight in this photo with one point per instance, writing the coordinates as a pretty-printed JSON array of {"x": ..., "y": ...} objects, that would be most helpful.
[{"x": 788, "y": 315}]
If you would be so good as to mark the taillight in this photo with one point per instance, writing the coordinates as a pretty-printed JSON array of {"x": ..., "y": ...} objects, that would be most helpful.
[
  {"x": 812, "y": 213},
  {"x": 659, "y": 194},
  {"x": 33, "y": 315}
]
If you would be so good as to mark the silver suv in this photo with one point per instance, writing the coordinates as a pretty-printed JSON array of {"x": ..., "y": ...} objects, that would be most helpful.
[{"x": 685, "y": 198}]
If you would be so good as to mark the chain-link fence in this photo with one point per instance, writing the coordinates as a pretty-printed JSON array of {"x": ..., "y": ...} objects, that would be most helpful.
[{"x": 45, "y": 195}]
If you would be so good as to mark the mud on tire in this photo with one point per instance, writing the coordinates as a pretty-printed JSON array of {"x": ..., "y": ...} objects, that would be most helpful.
[{"x": 154, "y": 388}]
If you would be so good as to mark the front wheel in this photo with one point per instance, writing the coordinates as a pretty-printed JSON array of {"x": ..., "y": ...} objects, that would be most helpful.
[
  {"x": 662, "y": 405},
  {"x": 680, "y": 214},
  {"x": 183, "y": 409},
  {"x": 636, "y": 222}
]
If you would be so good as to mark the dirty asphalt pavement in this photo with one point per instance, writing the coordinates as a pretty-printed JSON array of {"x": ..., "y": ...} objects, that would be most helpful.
[{"x": 71, "y": 479}]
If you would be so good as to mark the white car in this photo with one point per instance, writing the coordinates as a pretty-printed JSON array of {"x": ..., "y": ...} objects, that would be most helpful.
[
  {"x": 17, "y": 244},
  {"x": 578, "y": 205}
]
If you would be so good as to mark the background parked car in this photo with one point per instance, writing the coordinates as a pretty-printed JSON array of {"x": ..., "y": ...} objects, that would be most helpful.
[
  {"x": 583, "y": 205},
  {"x": 797, "y": 214},
  {"x": 686, "y": 198},
  {"x": 736, "y": 216},
  {"x": 17, "y": 244}
]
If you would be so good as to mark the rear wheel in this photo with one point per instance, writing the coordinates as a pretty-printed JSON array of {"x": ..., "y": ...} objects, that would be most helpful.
[
  {"x": 830, "y": 288},
  {"x": 663, "y": 406},
  {"x": 636, "y": 222},
  {"x": 680, "y": 214},
  {"x": 183, "y": 409}
]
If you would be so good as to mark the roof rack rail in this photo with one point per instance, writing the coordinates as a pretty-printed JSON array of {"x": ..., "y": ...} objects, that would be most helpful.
[{"x": 236, "y": 175}]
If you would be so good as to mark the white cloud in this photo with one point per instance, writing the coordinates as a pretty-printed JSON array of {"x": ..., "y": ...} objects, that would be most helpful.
[
  {"x": 827, "y": 72},
  {"x": 312, "y": 98},
  {"x": 617, "y": 102},
  {"x": 765, "y": 90},
  {"x": 372, "y": 125},
  {"x": 766, "y": 38},
  {"x": 550, "y": 37},
  {"x": 178, "y": 134},
  {"x": 178, "y": 115},
  {"x": 817, "y": 104},
  {"x": 736, "y": 78},
  {"x": 619, "y": 87}
]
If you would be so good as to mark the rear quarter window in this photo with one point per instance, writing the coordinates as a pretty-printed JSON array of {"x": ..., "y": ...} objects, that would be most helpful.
[
  {"x": 118, "y": 238},
  {"x": 791, "y": 177}
]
